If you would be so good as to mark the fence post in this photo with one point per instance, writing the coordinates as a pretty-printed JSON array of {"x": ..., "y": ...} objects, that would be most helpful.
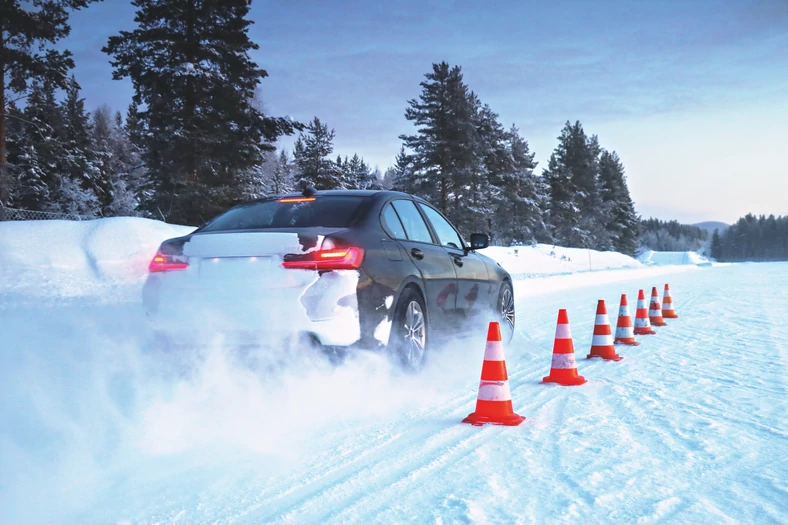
[{"x": 2, "y": 212}]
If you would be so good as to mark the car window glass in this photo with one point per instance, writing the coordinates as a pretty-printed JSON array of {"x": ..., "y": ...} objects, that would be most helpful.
[
  {"x": 330, "y": 211},
  {"x": 415, "y": 228},
  {"x": 447, "y": 235},
  {"x": 392, "y": 223}
]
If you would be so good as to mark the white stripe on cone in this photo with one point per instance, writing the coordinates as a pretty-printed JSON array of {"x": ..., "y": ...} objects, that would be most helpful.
[
  {"x": 624, "y": 332},
  {"x": 564, "y": 361},
  {"x": 494, "y": 391},
  {"x": 642, "y": 322},
  {"x": 602, "y": 340},
  {"x": 562, "y": 331},
  {"x": 623, "y": 311},
  {"x": 602, "y": 319},
  {"x": 493, "y": 351}
]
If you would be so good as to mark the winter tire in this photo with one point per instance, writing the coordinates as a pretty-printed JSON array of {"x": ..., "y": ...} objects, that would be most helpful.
[{"x": 408, "y": 338}]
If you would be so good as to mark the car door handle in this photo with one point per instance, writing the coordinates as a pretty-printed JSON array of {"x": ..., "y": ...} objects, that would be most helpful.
[
  {"x": 417, "y": 254},
  {"x": 458, "y": 260}
]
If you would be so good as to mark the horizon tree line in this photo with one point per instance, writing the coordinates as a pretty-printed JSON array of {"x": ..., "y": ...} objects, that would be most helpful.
[{"x": 195, "y": 138}]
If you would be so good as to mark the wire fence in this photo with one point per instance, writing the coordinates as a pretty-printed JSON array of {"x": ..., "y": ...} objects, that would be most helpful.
[{"x": 14, "y": 214}]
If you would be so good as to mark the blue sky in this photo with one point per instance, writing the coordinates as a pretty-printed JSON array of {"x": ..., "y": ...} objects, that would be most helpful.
[{"x": 693, "y": 95}]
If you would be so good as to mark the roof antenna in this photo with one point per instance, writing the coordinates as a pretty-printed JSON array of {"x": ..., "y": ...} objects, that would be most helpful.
[{"x": 309, "y": 191}]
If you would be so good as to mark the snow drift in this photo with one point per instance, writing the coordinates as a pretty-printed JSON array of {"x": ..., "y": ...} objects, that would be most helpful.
[
  {"x": 43, "y": 260},
  {"x": 652, "y": 258}
]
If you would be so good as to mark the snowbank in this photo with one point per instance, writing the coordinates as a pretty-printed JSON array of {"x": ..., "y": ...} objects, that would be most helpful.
[
  {"x": 545, "y": 259},
  {"x": 652, "y": 258},
  {"x": 75, "y": 259}
]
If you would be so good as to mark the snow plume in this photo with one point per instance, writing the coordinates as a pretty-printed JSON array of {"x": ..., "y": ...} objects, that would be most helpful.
[{"x": 88, "y": 400}]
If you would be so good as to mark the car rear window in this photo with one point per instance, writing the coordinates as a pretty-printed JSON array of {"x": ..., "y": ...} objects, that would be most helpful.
[{"x": 335, "y": 211}]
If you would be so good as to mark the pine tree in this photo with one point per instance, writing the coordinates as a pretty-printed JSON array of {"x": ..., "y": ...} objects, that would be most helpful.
[
  {"x": 77, "y": 163},
  {"x": 402, "y": 176},
  {"x": 441, "y": 158},
  {"x": 359, "y": 174},
  {"x": 563, "y": 211},
  {"x": 716, "y": 245},
  {"x": 523, "y": 201},
  {"x": 621, "y": 220},
  {"x": 39, "y": 151},
  {"x": 133, "y": 174},
  {"x": 27, "y": 31},
  {"x": 311, "y": 158},
  {"x": 484, "y": 163},
  {"x": 576, "y": 213},
  {"x": 189, "y": 63},
  {"x": 282, "y": 176},
  {"x": 388, "y": 178}
]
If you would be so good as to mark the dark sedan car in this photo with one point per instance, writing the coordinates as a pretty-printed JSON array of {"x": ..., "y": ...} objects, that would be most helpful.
[{"x": 343, "y": 267}]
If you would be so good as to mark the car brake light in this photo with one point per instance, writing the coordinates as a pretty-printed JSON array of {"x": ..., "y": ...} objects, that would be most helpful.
[
  {"x": 333, "y": 259},
  {"x": 296, "y": 199},
  {"x": 165, "y": 263}
]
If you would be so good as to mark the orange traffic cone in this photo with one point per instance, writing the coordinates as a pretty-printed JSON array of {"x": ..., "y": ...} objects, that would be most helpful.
[
  {"x": 494, "y": 401},
  {"x": 667, "y": 305},
  {"x": 564, "y": 367},
  {"x": 642, "y": 322},
  {"x": 655, "y": 310},
  {"x": 602, "y": 342},
  {"x": 625, "y": 335}
]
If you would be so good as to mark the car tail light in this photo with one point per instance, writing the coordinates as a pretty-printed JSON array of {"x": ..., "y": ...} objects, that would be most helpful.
[
  {"x": 326, "y": 259},
  {"x": 166, "y": 263}
]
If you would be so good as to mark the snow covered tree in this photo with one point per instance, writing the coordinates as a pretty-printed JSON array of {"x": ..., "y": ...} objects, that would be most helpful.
[
  {"x": 39, "y": 151},
  {"x": 576, "y": 213},
  {"x": 191, "y": 71},
  {"x": 359, "y": 175},
  {"x": 563, "y": 211},
  {"x": 281, "y": 180},
  {"x": 387, "y": 180},
  {"x": 311, "y": 157},
  {"x": 621, "y": 221},
  {"x": 77, "y": 162},
  {"x": 523, "y": 201},
  {"x": 27, "y": 30}
]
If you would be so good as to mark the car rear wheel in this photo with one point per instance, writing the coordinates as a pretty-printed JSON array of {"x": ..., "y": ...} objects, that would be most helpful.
[
  {"x": 505, "y": 311},
  {"x": 408, "y": 339}
]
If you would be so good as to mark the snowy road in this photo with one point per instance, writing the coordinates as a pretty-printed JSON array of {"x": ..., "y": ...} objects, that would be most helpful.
[{"x": 690, "y": 427}]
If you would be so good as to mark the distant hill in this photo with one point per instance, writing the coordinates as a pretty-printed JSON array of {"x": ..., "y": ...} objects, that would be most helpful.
[{"x": 711, "y": 226}]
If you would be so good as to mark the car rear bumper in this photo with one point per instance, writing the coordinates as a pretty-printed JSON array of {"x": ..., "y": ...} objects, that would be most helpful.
[{"x": 299, "y": 302}]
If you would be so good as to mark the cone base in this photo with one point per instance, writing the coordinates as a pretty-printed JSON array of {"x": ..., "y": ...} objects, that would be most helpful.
[
  {"x": 614, "y": 357},
  {"x": 629, "y": 342},
  {"x": 478, "y": 420},
  {"x": 571, "y": 381},
  {"x": 670, "y": 316},
  {"x": 658, "y": 323},
  {"x": 645, "y": 331}
]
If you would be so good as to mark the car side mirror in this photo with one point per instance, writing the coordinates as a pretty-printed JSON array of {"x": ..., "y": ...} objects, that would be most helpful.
[{"x": 479, "y": 241}]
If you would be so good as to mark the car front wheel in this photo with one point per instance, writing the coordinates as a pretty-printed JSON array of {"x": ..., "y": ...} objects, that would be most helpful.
[{"x": 505, "y": 311}]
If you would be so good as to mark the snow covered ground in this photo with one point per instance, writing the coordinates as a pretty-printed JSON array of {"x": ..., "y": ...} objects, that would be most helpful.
[{"x": 95, "y": 427}]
